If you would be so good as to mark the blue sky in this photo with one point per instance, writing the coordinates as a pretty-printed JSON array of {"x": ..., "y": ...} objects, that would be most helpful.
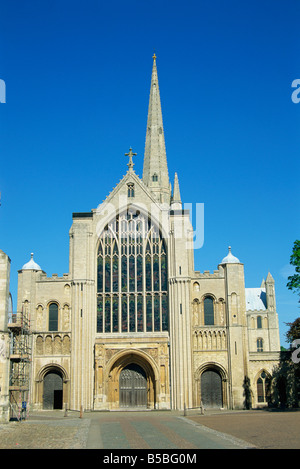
[{"x": 77, "y": 78}]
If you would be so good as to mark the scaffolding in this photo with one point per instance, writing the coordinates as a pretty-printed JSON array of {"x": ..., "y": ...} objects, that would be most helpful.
[{"x": 20, "y": 364}]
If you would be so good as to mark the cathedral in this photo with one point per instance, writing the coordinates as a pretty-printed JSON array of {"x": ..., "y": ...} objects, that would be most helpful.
[{"x": 133, "y": 325}]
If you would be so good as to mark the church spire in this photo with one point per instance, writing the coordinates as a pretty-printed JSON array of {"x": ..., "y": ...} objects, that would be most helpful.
[
  {"x": 176, "y": 199},
  {"x": 155, "y": 172}
]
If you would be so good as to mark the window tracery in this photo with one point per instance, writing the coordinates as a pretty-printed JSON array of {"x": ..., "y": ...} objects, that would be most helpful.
[
  {"x": 132, "y": 279},
  {"x": 130, "y": 190},
  {"x": 263, "y": 387}
]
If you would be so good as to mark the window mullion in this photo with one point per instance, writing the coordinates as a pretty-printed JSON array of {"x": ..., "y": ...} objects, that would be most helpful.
[
  {"x": 130, "y": 237},
  {"x": 144, "y": 282}
]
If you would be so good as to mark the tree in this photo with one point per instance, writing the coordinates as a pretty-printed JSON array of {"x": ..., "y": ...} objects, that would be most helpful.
[
  {"x": 294, "y": 280},
  {"x": 294, "y": 330},
  {"x": 294, "y": 285}
]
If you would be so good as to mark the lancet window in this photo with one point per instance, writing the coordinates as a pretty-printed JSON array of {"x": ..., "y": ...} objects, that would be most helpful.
[
  {"x": 209, "y": 315},
  {"x": 259, "y": 322},
  {"x": 263, "y": 387},
  {"x": 260, "y": 345},
  {"x": 132, "y": 278},
  {"x": 130, "y": 190},
  {"x": 53, "y": 317}
]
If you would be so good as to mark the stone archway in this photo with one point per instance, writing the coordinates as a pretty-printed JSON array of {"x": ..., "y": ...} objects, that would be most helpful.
[
  {"x": 52, "y": 388},
  {"x": 211, "y": 386},
  {"x": 131, "y": 382}
]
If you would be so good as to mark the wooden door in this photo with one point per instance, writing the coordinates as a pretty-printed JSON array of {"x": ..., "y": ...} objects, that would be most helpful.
[
  {"x": 133, "y": 386},
  {"x": 211, "y": 389},
  {"x": 53, "y": 391}
]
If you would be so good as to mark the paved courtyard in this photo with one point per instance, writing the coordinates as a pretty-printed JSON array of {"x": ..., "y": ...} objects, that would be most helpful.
[
  {"x": 262, "y": 428},
  {"x": 154, "y": 430}
]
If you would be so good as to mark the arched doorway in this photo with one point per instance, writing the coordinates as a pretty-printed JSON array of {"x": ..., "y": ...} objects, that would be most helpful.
[
  {"x": 53, "y": 390},
  {"x": 130, "y": 380},
  {"x": 133, "y": 386},
  {"x": 211, "y": 389}
]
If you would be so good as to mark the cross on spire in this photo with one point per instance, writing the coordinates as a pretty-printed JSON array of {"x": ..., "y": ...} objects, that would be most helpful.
[{"x": 130, "y": 154}]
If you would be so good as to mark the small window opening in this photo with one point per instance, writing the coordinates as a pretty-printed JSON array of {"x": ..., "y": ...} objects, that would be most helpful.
[{"x": 130, "y": 190}]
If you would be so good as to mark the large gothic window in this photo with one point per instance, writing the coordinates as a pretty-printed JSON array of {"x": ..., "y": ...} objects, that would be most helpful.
[{"x": 132, "y": 279}]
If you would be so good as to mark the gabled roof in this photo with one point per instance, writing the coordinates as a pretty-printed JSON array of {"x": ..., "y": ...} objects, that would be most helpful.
[
  {"x": 256, "y": 299},
  {"x": 130, "y": 176}
]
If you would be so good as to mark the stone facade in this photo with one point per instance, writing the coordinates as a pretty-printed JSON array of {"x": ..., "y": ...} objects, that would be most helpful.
[
  {"x": 5, "y": 306},
  {"x": 133, "y": 324}
]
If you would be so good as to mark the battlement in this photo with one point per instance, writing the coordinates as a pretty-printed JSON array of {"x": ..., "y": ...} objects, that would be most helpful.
[{"x": 64, "y": 277}]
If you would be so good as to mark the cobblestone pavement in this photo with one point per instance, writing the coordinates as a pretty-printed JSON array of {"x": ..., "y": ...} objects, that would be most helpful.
[
  {"x": 153, "y": 430},
  {"x": 45, "y": 432}
]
